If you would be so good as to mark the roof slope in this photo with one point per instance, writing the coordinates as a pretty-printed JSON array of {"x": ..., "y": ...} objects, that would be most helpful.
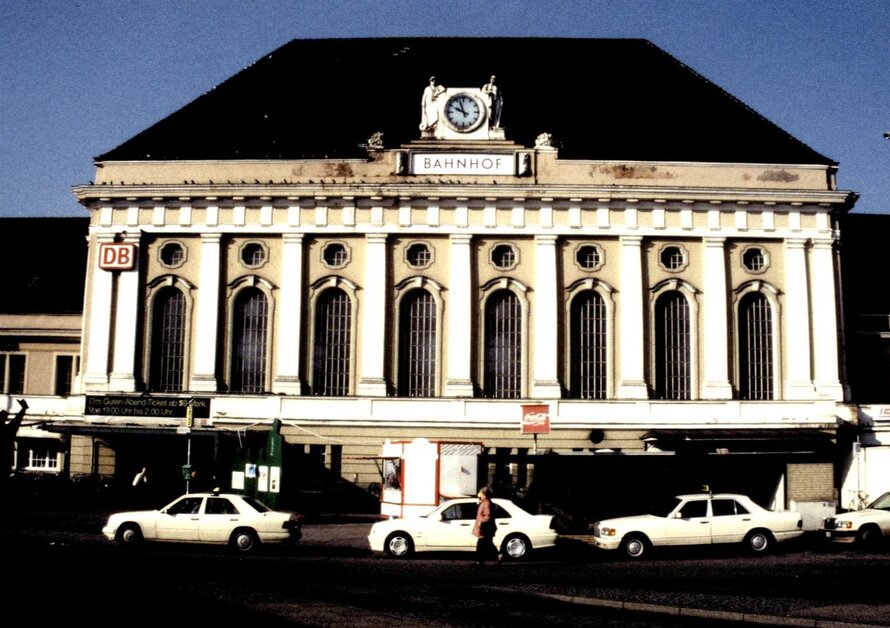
[
  {"x": 621, "y": 99},
  {"x": 43, "y": 262}
]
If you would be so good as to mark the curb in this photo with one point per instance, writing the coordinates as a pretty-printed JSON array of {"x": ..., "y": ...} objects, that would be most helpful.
[{"x": 679, "y": 611}]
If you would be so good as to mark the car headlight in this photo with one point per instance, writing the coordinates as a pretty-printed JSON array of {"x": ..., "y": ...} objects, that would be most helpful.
[
  {"x": 843, "y": 525},
  {"x": 601, "y": 530}
]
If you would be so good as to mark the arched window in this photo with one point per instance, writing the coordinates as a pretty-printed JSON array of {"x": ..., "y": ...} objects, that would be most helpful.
[
  {"x": 167, "y": 341},
  {"x": 587, "y": 376},
  {"x": 417, "y": 344},
  {"x": 672, "y": 347},
  {"x": 502, "y": 376},
  {"x": 332, "y": 344},
  {"x": 251, "y": 318},
  {"x": 755, "y": 348}
]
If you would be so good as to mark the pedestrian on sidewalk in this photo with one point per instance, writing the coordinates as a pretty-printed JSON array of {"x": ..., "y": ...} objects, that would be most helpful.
[{"x": 485, "y": 528}]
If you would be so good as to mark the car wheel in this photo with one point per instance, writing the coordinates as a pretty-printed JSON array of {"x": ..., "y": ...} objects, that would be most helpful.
[
  {"x": 399, "y": 545},
  {"x": 129, "y": 534},
  {"x": 635, "y": 546},
  {"x": 516, "y": 546},
  {"x": 869, "y": 537},
  {"x": 245, "y": 541},
  {"x": 759, "y": 541}
]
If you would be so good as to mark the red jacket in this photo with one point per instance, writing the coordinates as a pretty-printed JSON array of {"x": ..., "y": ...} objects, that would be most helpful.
[{"x": 484, "y": 521}]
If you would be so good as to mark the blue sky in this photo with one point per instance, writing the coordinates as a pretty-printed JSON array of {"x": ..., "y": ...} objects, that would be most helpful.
[{"x": 80, "y": 77}]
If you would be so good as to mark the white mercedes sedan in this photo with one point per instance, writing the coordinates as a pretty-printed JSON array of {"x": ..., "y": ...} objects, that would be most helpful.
[
  {"x": 699, "y": 519},
  {"x": 868, "y": 528},
  {"x": 240, "y": 521},
  {"x": 449, "y": 528}
]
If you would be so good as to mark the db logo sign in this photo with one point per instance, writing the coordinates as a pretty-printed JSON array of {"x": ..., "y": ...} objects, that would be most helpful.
[
  {"x": 535, "y": 419},
  {"x": 117, "y": 256}
]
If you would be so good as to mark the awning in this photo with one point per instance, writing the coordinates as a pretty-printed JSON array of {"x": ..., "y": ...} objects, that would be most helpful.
[
  {"x": 735, "y": 441},
  {"x": 130, "y": 430}
]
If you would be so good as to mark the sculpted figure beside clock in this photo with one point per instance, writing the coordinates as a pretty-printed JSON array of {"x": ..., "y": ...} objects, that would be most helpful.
[
  {"x": 495, "y": 102},
  {"x": 429, "y": 115}
]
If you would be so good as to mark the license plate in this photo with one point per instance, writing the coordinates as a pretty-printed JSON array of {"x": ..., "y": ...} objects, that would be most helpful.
[{"x": 828, "y": 535}]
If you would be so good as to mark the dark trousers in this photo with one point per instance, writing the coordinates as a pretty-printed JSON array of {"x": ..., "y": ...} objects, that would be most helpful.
[{"x": 485, "y": 549}]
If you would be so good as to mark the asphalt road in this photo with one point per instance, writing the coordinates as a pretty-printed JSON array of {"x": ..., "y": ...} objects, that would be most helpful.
[{"x": 61, "y": 570}]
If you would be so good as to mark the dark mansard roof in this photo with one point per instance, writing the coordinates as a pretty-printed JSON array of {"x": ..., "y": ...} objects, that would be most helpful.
[{"x": 613, "y": 99}]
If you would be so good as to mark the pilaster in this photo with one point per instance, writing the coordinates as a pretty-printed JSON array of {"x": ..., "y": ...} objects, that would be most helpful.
[
  {"x": 207, "y": 316},
  {"x": 545, "y": 384},
  {"x": 287, "y": 378},
  {"x": 372, "y": 382},
  {"x": 458, "y": 382},
  {"x": 631, "y": 379}
]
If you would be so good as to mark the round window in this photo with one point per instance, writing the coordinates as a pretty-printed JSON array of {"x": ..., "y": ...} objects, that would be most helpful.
[{"x": 172, "y": 254}]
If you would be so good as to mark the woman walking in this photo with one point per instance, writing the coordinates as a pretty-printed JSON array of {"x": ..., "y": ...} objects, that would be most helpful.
[{"x": 485, "y": 528}]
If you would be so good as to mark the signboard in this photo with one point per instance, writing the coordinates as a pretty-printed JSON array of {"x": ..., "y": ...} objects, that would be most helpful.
[
  {"x": 463, "y": 163},
  {"x": 535, "y": 419},
  {"x": 150, "y": 407},
  {"x": 117, "y": 256}
]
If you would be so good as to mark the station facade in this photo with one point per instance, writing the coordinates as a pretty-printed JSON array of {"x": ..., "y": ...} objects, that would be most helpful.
[{"x": 400, "y": 256}]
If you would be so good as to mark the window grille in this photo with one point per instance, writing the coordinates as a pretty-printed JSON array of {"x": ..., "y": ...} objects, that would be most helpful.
[
  {"x": 253, "y": 255},
  {"x": 673, "y": 258},
  {"x": 333, "y": 344},
  {"x": 754, "y": 259},
  {"x": 249, "y": 343},
  {"x": 673, "y": 353},
  {"x": 336, "y": 255},
  {"x": 417, "y": 345},
  {"x": 503, "y": 346},
  {"x": 588, "y": 347},
  {"x": 419, "y": 255},
  {"x": 588, "y": 257},
  {"x": 168, "y": 342},
  {"x": 43, "y": 457},
  {"x": 756, "y": 348},
  {"x": 503, "y": 256},
  {"x": 172, "y": 254}
]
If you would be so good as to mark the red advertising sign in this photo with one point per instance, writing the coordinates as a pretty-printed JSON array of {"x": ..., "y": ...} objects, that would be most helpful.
[
  {"x": 117, "y": 256},
  {"x": 536, "y": 419}
]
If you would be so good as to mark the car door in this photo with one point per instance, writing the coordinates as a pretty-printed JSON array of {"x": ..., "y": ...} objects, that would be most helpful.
[
  {"x": 688, "y": 524},
  {"x": 180, "y": 520},
  {"x": 221, "y": 516},
  {"x": 454, "y": 528},
  {"x": 730, "y": 521}
]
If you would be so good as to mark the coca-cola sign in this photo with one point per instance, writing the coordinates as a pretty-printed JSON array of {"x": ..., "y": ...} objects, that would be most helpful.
[{"x": 536, "y": 419}]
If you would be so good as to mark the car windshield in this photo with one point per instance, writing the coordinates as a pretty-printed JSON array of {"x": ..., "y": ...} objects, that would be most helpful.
[
  {"x": 256, "y": 504},
  {"x": 882, "y": 502}
]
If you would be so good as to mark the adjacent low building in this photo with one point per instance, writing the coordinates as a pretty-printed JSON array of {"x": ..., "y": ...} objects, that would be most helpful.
[{"x": 622, "y": 287}]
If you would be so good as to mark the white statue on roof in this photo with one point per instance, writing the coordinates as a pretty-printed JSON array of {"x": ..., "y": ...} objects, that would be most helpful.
[
  {"x": 429, "y": 115},
  {"x": 495, "y": 103}
]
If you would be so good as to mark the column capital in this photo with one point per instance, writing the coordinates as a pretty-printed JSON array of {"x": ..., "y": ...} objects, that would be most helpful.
[{"x": 461, "y": 238}]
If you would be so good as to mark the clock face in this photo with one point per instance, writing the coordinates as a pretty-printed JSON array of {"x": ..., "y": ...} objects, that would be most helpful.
[{"x": 463, "y": 112}]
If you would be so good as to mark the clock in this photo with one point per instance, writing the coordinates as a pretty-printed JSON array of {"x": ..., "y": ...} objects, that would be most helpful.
[{"x": 464, "y": 112}]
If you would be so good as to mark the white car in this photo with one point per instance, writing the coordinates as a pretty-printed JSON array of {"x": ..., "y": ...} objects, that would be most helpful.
[
  {"x": 449, "y": 527},
  {"x": 222, "y": 518},
  {"x": 698, "y": 519},
  {"x": 867, "y": 527}
]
